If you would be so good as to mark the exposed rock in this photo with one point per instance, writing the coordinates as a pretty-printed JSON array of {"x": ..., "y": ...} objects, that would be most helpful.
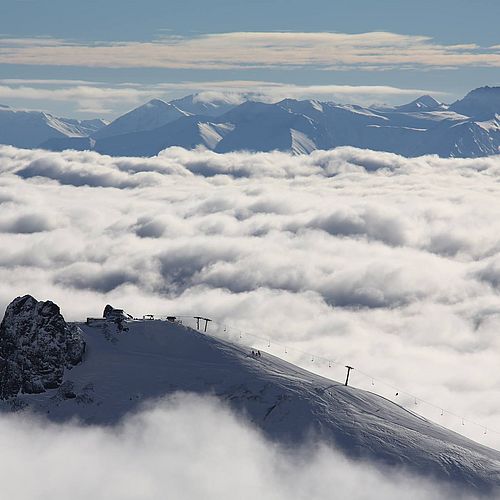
[
  {"x": 112, "y": 313},
  {"x": 36, "y": 346},
  {"x": 117, "y": 316}
]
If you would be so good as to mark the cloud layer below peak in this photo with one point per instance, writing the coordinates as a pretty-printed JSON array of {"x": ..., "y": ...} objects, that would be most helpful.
[
  {"x": 389, "y": 263},
  {"x": 191, "y": 448}
]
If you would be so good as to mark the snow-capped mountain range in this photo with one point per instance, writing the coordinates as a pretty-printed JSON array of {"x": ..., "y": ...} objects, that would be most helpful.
[
  {"x": 470, "y": 127},
  {"x": 29, "y": 129},
  {"x": 101, "y": 370}
]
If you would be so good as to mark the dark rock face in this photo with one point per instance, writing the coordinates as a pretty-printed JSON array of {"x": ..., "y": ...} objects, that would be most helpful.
[
  {"x": 112, "y": 313},
  {"x": 118, "y": 316},
  {"x": 108, "y": 310},
  {"x": 36, "y": 346}
]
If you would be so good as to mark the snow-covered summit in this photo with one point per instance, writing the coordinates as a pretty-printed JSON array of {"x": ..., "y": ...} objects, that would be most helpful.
[
  {"x": 482, "y": 103},
  {"x": 208, "y": 103},
  {"x": 154, "y": 114},
  {"x": 423, "y": 103},
  {"x": 28, "y": 129},
  {"x": 236, "y": 122},
  {"x": 147, "y": 359}
]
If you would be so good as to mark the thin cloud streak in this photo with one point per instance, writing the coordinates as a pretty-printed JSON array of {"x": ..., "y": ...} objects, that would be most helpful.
[
  {"x": 100, "y": 97},
  {"x": 369, "y": 51}
]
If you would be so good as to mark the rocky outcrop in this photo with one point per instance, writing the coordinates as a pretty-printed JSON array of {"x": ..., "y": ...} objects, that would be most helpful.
[
  {"x": 36, "y": 346},
  {"x": 110, "y": 312},
  {"x": 118, "y": 316}
]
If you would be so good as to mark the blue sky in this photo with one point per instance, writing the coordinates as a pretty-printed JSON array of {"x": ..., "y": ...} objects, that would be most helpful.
[{"x": 86, "y": 58}]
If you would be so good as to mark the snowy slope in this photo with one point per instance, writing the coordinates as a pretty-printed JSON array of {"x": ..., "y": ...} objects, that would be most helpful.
[
  {"x": 85, "y": 127},
  {"x": 482, "y": 103},
  {"x": 29, "y": 129},
  {"x": 188, "y": 132},
  {"x": 122, "y": 370},
  {"x": 207, "y": 105},
  {"x": 463, "y": 139},
  {"x": 267, "y": 127},
  {"x": 149, "y": 116},
  {"x": 425, "y": 126},
  {"x": 423, "y": 103}
]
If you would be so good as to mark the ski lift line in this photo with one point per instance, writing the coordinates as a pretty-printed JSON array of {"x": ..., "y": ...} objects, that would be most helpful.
[
  {"x": 393, "y": 387},
  {"x": 417, "y": 400},
  {"x": 267, "y": 341},
  {"x": 421, "y": 401},
  {"x": 378, "y": 381},
  {"x": 374, "y": 381},
  {"x": 225, "y": 329}
]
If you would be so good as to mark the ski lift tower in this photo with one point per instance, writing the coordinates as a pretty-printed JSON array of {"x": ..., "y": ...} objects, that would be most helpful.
[{"x": 200, "y": 318}]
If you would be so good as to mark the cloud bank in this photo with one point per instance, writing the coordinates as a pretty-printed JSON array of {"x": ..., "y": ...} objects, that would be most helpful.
[
  {"x": 369, "y": 51},
  {"x": 387, "y": 263},
  {"x": 111, "y": 100},
  {"x": 185, "y": 448}
]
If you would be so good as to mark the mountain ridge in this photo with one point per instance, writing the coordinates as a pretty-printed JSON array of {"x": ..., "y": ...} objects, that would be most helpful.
[
  {"x": 28, "y": 129},
  {"x": 467, "y": 128},
  {"x": 482, "y": 103}
]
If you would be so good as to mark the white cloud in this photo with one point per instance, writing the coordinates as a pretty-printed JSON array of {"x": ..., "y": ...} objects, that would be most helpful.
[
  {"x": 40, "y": 81},
  {"x": 92, "y": 99},
  {"x": 371, "y": 51},
  {"x": 279, "y": 90},
  {"x": 385, "y": 262},
  {"x": 185, "y": 448},
  {"x": 100, "y": 98}
]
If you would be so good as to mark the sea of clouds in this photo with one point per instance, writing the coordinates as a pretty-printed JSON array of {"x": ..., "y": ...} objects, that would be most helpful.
[{"x": 387, "y": 263}]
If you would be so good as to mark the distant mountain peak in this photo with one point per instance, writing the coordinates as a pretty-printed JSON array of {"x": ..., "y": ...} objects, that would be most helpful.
[
  {"x": 481, "y": 103},
  {"x": 30, "y": 128},
  {"x": 157, "y": 102},
  {"x": 423, "y": 103},
  {"x": 207, "y": 103},
  {"x": 219, "y": 97},
  {"x": 153, "y": 114},
  {"x": 232, "y": 122},
  {"x": 486, "y": 90},
  {"x": 296, "y": 105}
]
